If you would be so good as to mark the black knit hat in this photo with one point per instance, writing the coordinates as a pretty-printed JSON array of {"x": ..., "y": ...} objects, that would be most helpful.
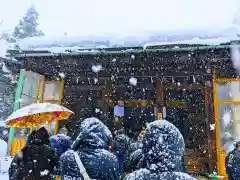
[
  {"x": 41, "y": 136},
  {"x": 237, "y": 144}
]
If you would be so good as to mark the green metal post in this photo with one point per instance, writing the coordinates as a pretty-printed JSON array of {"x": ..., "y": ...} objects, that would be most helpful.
[{"x": 16, "y": 105}]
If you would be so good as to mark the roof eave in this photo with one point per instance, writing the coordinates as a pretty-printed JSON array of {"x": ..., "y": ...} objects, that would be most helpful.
[{"x": 26, "y": 53}]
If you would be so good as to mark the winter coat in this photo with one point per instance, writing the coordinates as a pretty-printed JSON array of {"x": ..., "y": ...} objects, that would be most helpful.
[
  {"x": 92, "y": 146},
  {"x": 135, "y": 161},
  {"x": 120, "y": 147},
  {"x": 60, "y": 143},
  {"x": 35, "y": 161},
  {"x": 135, "y": 156},
  {"x": 163, "y": 149},
  {"x": 135, "y": 146},
  {"x": 233, "y": 165}
]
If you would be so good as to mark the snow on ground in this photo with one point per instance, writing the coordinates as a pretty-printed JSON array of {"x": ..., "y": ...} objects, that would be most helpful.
[
  {"x": 3, "y": 148},
  {"x": 5, "y": 161},
  {"x": 4, "y": 165},
  {"x": 4, "y": 177}
]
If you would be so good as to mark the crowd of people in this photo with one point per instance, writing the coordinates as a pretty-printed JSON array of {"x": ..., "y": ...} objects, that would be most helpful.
[{"x": 156, "y": 153}]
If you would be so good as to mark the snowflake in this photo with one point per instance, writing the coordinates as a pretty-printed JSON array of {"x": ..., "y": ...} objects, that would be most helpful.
[
  {"x": 44, "y": 173},
  {"x": 133, "y": 81},
  {"x": 62, "y": 75},
  {"x": 96, "y": 68},
  {"x": 212, "y": 127}
]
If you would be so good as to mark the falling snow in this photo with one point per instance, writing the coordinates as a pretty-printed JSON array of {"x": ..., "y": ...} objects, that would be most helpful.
[{"x": 101, "y": 81}]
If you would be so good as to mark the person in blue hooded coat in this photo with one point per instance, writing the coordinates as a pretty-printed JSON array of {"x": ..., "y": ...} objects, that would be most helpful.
[
  {"x": 60, "y": 143},
  {"x": 163, "y": 149},
  {"x": 233, "y": 163},
  {"x": 92, "y": 147}
]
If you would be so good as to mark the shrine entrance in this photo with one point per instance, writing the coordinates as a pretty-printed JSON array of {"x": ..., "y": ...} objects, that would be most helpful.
[
  {"x": 33, "y": 88},
  {"x": 186, "y": 103}
]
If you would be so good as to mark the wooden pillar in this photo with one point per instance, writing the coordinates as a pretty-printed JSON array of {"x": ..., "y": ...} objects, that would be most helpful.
[
  {"x": 105, "y": 91},
  {"x": 159, "y": 99}
]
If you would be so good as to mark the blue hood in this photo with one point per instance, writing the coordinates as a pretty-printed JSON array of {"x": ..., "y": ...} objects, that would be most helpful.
[
  {"x": 163, "y": 147},
  {"x": 60, "y": 143},
  {"x": 93, "y": 135}
]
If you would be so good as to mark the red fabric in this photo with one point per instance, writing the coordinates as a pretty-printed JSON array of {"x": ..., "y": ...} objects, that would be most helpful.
[{"x": 111, "y": 148}]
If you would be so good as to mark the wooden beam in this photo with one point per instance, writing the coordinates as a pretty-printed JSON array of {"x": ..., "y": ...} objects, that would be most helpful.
[
  {"x": 188, "y": 86},
  {"x": 83, "y": 87},
  {"x": 207, "y": 112}
]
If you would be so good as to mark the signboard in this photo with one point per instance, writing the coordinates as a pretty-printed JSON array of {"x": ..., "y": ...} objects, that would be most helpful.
[{"x": 118, "y": 111}]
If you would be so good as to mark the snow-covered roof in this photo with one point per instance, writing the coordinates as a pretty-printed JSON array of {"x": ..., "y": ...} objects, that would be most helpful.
[
  {"x": 54, "y": 43},
  {"x": 194, "y": 41},
  {"x": 80, "y": 44}
]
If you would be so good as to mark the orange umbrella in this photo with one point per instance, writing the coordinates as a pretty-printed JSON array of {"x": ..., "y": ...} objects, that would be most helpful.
[{"x": 37, "y": 114}]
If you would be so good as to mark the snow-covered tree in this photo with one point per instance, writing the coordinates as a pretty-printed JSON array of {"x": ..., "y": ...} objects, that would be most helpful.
[
  {"x": 6, "y": 92},
  {"x": 27, "y": 26},
  {"x": 6, "y": 78},
  {"x": 7, "y": 36}
]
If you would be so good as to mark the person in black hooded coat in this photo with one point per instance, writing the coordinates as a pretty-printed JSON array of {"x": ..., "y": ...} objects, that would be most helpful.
[
  {"x": 92, "y": 147},
  {"x": 120, "y": 147},
  {"x": 36, "y": 160},
  {"x": 135, "y": 161},
  {"x": 163, "y": 149},
  {"x": 135, "y": 155},
  {"x": 135, "y": 146},
  {"x": 14, "y": 164}
]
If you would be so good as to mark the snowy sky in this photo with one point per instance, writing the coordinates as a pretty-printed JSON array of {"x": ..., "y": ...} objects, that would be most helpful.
[{"x": 81, "y": 17}]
